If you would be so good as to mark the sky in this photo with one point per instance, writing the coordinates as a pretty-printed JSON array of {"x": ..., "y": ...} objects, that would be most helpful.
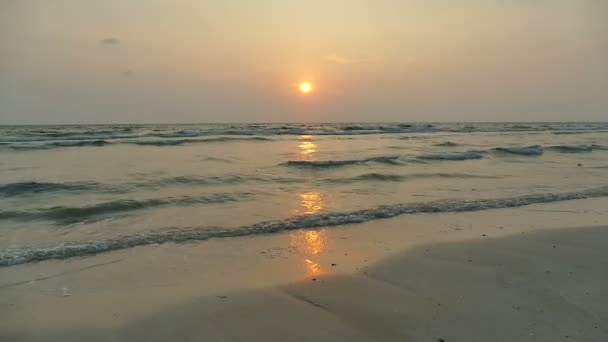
[{"x": 194, "y": 61}]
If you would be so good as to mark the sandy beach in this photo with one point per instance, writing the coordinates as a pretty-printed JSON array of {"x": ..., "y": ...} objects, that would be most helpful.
[
  {"x": 253, "y": 171},
  {"x": 535, "y": 273}
]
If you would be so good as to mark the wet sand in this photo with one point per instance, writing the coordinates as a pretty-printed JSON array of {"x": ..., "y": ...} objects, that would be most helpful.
[{"x": 536, "y": 273}]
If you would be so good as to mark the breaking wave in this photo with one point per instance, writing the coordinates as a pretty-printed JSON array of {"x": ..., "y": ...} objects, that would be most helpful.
[
  {"x": 30, "y": 188},
  {"x": 177, "y": 142},
  {"x": 26, "y": 188},
  {"x": 572, "y": 148},
  {"x": 393, "y": 160},
  {"x": 213, "y": 180},
  {"x": 376, "y": 177},
  {"x": 99, "y": 143},
  {"x": 13, "y": 257},
  {"x": 451, "y": 155},
  {"x": 12, "y": 134},
  {"x": 447, "y": 144},
  {"x": 389, "y": 177},
  {"x": 534, "y": 150},
  {"x": 56, "y": 144},
  {"x": 69, "y": 215}
]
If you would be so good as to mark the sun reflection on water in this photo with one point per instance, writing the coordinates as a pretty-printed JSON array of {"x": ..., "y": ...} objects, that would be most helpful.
[
  {"x": 312, "y": 267},
  {"x": 314, "y": 242},
  {"x": 311, "y": 202},
  {"x": 310, "y": 244},
  {"x": 307, "y": 148}
]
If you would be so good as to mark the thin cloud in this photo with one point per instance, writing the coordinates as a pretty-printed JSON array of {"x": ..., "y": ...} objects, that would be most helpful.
[{"x": 110, "y": 41}]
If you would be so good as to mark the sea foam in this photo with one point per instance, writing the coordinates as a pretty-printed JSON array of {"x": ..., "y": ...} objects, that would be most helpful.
[{"x": 13, "y": 257}]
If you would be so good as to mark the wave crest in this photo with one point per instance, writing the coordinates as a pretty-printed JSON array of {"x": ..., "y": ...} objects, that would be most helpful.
[
  {"x": 534, "y": 150},
  {"x": 392, "y": 160},
  {"x": 452, "y": 155},
  {"x": 9, "y": 258},
  {"x": 26, "y": 188},
  {"x": 572, "y": 148},
  {"x": 177, "y": 142},
  {"x": 70, "y": 215},
  {"x": 447, "y": 144},
  {"x": 389, "y": 177},
  {"x": 99, "y": 143}
]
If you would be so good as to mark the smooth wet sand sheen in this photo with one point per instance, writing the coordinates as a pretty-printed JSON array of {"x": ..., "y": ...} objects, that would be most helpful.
[{"x": 499, "y": 275}]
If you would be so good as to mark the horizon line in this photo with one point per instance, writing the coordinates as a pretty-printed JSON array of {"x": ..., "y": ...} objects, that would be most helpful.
[{"x": 292, "y": 123}]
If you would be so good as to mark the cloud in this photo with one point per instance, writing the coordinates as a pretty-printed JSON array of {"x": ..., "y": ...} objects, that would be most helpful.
[{"x": 110, "y": 41}]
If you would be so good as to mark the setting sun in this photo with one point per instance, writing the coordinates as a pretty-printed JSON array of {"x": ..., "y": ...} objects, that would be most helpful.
[{"x": 305, "y": 87}]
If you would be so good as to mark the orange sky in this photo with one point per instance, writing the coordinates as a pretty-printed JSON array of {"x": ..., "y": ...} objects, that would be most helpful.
[{"x": 72, "y": 61}]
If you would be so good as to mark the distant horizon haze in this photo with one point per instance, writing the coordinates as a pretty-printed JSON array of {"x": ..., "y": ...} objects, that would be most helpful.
[
  {"x": 169, "y": 62},
  {"x": 303, "y": 123}
]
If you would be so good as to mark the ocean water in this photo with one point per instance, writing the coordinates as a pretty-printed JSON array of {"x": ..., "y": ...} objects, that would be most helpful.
[{"x": 68, "y": 191}]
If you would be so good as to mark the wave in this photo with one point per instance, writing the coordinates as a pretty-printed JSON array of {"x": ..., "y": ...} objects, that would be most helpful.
[
  {"x": 537, "y": 150},
  {"x": 377, "y": 177},
  {"x": 29, "y": 138},
  {"x": 534, "y": 150},
  {"x": 214, "y": 180},
  {"x": 572, "y": 148},
  {"x": 197, "y": 180},
  {"x": 77, "y": 143},
  {"x": 70, "y": 215},
  {"x": 177, "y": 235},
  {"x": 385, "y": 128},
  {"x": 582, "y": 131},
  {"x": 111, "y": 134},
  {"x": 284, "y": 130},
  {"x": 99, "y": 143},
  {"x": 452, "y": 155},
  {"x": 57, "y": 144},
  {"x": 27, "y": 188},
  {"x": 447, "y": 144},
  {"x": 389, "y": 177},
  {"x": 392, "y": 160},
  {"x": 297, "y": 129},
  {"x": 176, "y": 142},
  {"x": 32, "y": 187}
]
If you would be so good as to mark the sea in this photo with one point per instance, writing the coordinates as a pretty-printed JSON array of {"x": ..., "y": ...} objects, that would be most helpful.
[{"x": 73, "y": 191}]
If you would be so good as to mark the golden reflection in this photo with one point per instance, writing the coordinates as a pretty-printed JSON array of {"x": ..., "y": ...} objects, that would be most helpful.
[
  {"x": 307, "y": 148},
  {"x": 311, "y": 202},
  {"x": 314, "y": 242},
  {"x": 310, "y": 244},
  {"x": 312, "y": 267}
]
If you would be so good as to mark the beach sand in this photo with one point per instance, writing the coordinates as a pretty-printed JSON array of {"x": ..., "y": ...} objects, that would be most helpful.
[{"x": 535, "y": 273}]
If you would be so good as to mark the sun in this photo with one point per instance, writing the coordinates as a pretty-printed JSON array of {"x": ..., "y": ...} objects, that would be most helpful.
[{"x": 305, "y": 87}]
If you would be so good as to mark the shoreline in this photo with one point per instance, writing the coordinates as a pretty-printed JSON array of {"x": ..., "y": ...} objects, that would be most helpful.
[
  {"x": 203, "y": 233},
  {"x": 265, "y": 283}
]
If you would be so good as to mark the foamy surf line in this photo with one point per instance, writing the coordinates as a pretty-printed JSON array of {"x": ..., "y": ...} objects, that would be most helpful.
[{"x": 177, "y": 235}]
